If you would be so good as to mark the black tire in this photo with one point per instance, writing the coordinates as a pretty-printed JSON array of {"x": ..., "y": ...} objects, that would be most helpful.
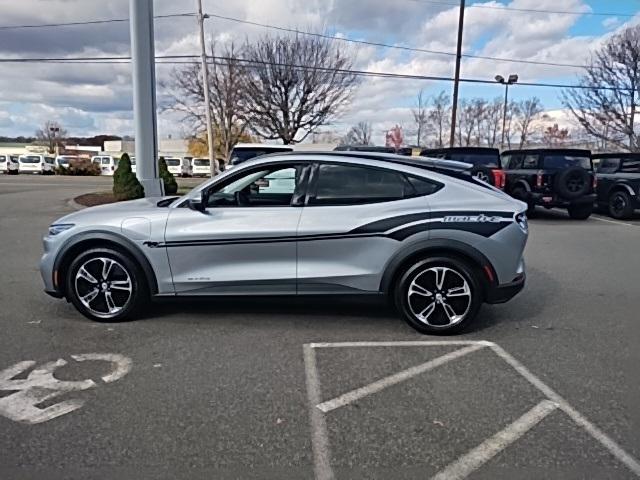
[
  {"x": 580, "y": 212},
  {"x": 620, "y": 205},
  {"x": 484, "y": 173},
  {"x": 573, "y": 182},
  {"x": 436, "y": 321},
  {"x": 520, "y": 193},
  {"x": 91, "y": 260}
]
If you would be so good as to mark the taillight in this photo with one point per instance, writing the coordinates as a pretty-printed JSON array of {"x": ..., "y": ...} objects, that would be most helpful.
[
  {"x": 499, "y": 179},
  {"x": 595, "y": 182},
  {"x": 539, "y": 179}
]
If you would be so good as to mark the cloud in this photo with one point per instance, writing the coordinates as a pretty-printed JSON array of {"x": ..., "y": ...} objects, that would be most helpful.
[{"x": 611, "y": 22}]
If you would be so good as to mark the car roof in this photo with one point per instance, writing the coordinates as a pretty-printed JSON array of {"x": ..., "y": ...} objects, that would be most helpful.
[
  {"x": 616, "y": 155},
  {"x": 462, "y": 150},
  {"x": 262, "y": 145},
  {"x": 565, "y": 151}
]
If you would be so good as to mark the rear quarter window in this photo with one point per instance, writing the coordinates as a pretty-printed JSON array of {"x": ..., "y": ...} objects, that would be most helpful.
[{"x": 566, "y": 161}]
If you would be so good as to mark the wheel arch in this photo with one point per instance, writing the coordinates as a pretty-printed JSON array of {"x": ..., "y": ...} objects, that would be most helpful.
[
  {"x": 87, "y": 240},
  {"x": 618, "y": 187},
  {"x": 430, "y": 248}
]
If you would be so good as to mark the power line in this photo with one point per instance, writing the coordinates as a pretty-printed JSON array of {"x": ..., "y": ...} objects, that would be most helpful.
[
  {"x": 530, "y": 10},
  {"x": 386, "y": 45},
  {"x": 247, "y": 63},
  {"x": 89, "y": 22}
]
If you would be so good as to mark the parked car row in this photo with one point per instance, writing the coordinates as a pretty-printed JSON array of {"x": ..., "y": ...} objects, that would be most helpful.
[
  {"x": 571, "y": 179},
  {"x": 29, "y": 163}
]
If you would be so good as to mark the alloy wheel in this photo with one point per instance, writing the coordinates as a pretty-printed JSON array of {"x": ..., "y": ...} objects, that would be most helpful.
[
  {"x": 103, "y": 286},
  {"x": 439, "y": 297}
]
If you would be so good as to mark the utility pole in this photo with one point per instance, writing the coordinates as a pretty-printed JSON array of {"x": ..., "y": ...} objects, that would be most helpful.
[
  {"x": 456, "y": 80},
  {"x": 144, "y": 96},
  {"x": 205, "y": 86}
]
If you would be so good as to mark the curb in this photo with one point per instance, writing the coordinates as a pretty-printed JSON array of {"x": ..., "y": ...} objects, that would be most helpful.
[{"x": 71, "y": 203}]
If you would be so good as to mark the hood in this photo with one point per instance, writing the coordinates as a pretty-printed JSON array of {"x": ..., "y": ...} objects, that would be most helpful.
[{"x": 143, "y": 207}]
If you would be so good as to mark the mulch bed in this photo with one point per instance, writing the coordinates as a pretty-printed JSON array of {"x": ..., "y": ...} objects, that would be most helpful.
[{"x": 93, "y": 199}]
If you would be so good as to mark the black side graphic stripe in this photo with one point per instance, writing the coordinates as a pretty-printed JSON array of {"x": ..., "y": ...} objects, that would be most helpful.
[{"x": 430, "y": 221}]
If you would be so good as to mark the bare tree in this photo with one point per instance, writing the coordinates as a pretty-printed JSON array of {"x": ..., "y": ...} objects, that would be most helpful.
[
  {"x": 297, "y": 83},
  {"x": 527, "y": 111},
  {"x": 467, "y": 118},
  {"x": 606, "y": 105},
  {"x": 420, "y": 117},
  {"x": 555, "y": 136},
  {"x": 490, "y": 123},
  {"x": 513, "y": 112},
  {"x": 51, "y": 134},
  {"x": 227, "y": 98},
  {"x": 359, "y": 134},
  {"x": 439, "y": 117}
]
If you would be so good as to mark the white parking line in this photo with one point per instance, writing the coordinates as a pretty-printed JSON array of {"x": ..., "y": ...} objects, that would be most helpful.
[
  {"x": 319, "y": 436},
  {"x": 608, "y": 220},
  {"x": 478, "y": 456},
  {"x": 358, "y": 393},
  {"x": 488, "y": 449}
]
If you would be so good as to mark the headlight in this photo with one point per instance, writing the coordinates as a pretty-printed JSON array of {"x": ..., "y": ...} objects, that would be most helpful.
[
  {"x": 521, "y": 220},
  {"x": 55, "y": 229}
]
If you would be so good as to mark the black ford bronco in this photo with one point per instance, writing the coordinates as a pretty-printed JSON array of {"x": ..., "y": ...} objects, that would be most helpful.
[
  {"x": 552, "y": 178},
  {"x": 618, "y": 183}
]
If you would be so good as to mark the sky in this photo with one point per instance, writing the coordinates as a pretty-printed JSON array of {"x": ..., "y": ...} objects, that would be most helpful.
[{"x": 89, "y": 99}]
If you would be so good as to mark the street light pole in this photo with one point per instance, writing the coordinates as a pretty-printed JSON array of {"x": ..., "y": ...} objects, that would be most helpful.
[
  {"x": 456, "y": 80},
  {"x": 509, "y": 81},
  {"x": 205, "y": 87}
]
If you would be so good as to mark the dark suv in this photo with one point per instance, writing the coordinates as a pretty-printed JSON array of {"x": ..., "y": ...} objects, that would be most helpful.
[
  {"x": 618, "y": 183},
  {"x": 560, "y": 178},
  {"x": 485, "y": 161}
]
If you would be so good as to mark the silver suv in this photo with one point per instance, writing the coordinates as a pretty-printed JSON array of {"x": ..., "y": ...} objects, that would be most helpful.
[{"x": 423, "y": 232}]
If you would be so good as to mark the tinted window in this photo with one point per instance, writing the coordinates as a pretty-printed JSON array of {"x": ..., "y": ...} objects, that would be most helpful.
[
  {"x": 484, "y": 159},
  {"x": 422, "y": 186},
  {"x": 200, "y": 162},
  {"x": 352, "y": 185},
  {"x": 530, "y": 161},
  {"x": 565, "y": 161},
  {"x": 514, "y": 161},
  {"x": 172, "y": 162},
  {"x": 30, "y": 159},
  {"x": 3, "y": 159},
  {"x": 105, "y": 160},
  {"x": 630, "y": 166},
  {"x": 608, "y": 165}
]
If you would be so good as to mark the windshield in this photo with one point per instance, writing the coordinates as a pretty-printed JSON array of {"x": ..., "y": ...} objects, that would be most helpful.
[
  {"x": 63, "y": 161},
  {"x": 201, "y": 162},
  {"x": 565, "y": 161},
  {"x": 30, "y": 159},
  {"x": 172, "y": 162},
  {"x": 484, "y": 159},
  {"x": 239, "y": 155}
]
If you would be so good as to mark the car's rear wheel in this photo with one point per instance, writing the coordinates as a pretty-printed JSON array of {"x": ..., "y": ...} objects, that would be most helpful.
[
  {"x": 438, "y": 295},
  {"x": 620, "y": 205},
  {"x": 580, "y": 212},
  {"x": 106, "y": 285}
]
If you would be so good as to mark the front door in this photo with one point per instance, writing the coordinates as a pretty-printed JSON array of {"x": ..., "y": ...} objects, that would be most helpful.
[{"x": 245, "y": 240}]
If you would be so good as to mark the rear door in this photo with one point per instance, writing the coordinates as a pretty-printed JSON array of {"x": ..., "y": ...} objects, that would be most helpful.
[
  {"x": 345, "y": 237},
  {"x": 245, "y": 241},
  {"x": 606, "y": 173}
]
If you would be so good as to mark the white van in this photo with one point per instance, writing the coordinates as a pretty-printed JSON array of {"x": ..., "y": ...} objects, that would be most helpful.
[
  {"x": 201, "y": 167},
  {"x": 174, "y": 165},
  {"x": 133, "y": 163},
  {"x": 107, "y": 163},
  {"x": 9, "y": 164},
  {"x": 64, "y": 160},
  {"x": 31, "y": 163}
]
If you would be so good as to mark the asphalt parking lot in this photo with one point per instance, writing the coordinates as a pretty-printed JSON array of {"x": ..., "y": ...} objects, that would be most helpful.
[{"x": 545, "y": 386}]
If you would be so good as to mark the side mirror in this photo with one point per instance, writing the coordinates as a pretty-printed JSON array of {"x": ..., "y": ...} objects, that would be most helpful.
[{"x": 198, "y": 203}]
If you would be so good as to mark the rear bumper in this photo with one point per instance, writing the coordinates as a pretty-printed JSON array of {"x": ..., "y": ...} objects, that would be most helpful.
[
  {"x": 549, "y": 200},
  {"x": 505, "y": 292}
]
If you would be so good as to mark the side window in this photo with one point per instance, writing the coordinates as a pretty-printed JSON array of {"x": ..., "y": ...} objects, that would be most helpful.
[
  {"x": 630, "y": 166},
  {"x": 355, "y": 185},
  {"x": 267, "y": 187},
  {"x": 609, "y": 165},
  {"x": 515, "y": 163},
  {"x": 422, "y": 186},
  {"x": 530, "y": 161}
]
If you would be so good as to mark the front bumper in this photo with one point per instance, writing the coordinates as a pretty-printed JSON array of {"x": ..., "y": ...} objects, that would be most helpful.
[{"x": 505, "y": 292}]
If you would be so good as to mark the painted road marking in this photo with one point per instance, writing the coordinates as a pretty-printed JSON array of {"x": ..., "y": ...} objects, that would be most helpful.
[
  {"x": 488, "y": 449},
  {"x": 394, "y": 379},
  {"x": 608, "y": 220},
  {"x": 41, "y": 385},
  {"x": 478, "y": 456}
]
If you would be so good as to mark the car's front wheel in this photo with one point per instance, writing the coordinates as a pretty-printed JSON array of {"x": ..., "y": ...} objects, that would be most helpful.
[
  {"x": 438, "y": 295},
  {"x": 620, "y": 205},
  {"x": 106, "y": 285}
]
